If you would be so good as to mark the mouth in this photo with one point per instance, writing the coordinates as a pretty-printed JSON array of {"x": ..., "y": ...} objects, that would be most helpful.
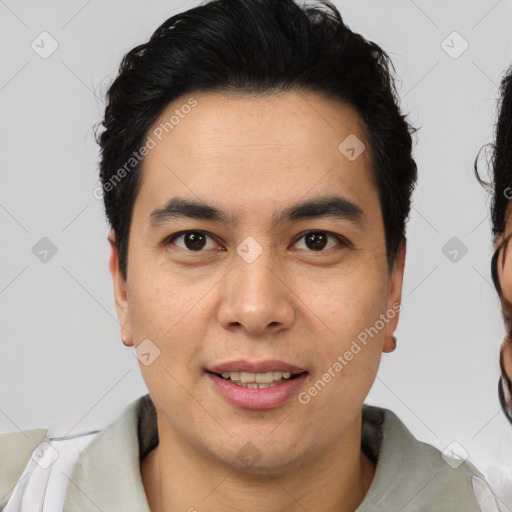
[
  {"x": 262, "y": 380},
  {"x": 264, "y": 385}
]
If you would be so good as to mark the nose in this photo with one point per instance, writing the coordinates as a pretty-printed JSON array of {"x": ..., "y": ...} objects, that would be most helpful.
[{"x": 256, "y": 298}]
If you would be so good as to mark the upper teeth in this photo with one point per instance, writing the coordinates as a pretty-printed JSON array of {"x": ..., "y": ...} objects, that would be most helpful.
[{"x": 259, "y": 378}]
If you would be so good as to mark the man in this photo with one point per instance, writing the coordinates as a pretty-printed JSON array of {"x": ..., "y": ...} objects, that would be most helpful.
[{"x": 257, "y": 175}]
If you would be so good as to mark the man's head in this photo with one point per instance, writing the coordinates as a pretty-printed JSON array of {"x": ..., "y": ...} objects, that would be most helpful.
[
  {"x": 263, "y": 229},
  {"x": 501, "y": 266},
  {"x": 253, "y": 47}
]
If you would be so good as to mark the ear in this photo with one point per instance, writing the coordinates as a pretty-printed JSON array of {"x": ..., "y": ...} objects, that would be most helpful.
[
  {"x": 394, "y": 305},
  {"x": 120, "y": 295}
]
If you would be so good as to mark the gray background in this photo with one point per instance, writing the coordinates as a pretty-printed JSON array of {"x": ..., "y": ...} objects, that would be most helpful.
[{"x": 63, "y": 365}]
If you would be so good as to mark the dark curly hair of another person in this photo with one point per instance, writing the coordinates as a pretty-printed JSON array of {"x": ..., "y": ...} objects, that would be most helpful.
[{"x": 500, "y": 187}]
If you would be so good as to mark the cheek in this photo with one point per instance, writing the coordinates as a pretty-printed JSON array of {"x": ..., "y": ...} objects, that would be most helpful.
[
  {"x": 351, "y": 310},
  {"x": 355, "y": 298},
  {"x": 172, "y": 321},
  {"x": 506, "y": 277},
  {"x": 162, "y": 308},
  {"x": 507, "y": 358}
]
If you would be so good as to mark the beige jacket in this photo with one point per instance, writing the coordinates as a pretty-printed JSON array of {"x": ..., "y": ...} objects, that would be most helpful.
[{"x": 100, "y": 471}]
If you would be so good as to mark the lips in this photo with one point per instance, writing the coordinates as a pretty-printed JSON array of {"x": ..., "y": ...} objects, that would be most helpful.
[
  {"x": 242, "y": 365},
  {"x": 269, "y": 397}
]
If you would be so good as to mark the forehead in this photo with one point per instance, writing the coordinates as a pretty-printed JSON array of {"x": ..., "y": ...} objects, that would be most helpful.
[{"x": 254, "y": 152}]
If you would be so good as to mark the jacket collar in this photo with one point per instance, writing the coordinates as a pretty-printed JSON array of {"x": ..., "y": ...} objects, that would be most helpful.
[{"x": 107, "y": 476}]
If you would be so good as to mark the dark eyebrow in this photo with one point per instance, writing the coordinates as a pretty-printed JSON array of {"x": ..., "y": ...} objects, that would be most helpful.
[
  {"x": 334, "y": 206},
  {"x": 178, "y": 207}
]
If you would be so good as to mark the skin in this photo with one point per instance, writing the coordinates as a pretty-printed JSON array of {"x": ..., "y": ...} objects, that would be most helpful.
[
  {"x": 507, "y": 359},
  {"x": 505, "y": 278},
  {"x": 250, "y": 157}
]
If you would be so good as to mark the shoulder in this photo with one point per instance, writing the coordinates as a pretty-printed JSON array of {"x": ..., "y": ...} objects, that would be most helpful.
[
  {"x": 414, "y": 474},
  {"x": 497, "y": 490},
  {"x": 27, "y": 457},
  {"x": 15, "y": 451}
]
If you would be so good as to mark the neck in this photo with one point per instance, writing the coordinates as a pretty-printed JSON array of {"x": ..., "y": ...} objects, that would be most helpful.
[{"x": 177, "y": 477}]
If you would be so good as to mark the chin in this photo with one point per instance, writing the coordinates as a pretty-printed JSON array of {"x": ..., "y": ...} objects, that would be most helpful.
[{"x": 258, "y": 455}]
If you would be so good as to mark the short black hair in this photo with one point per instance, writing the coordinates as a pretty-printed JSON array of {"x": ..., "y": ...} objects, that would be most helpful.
[{"x": 255, "y": 47}]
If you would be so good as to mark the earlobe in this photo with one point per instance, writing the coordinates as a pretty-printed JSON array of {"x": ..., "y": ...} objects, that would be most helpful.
[
  {"x": 390, "y": 344},
  {"x": 126, "y": 343}
]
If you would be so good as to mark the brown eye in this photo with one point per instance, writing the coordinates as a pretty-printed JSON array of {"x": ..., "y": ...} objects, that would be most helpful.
[
  {"x": 316, "y": 241},
  {"x": 319, "y": 240},
  {"x": 194, "y": 241}
]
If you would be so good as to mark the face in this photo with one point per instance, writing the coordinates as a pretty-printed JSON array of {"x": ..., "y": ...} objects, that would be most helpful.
[
  {"x": 256, "y": 245},
  {"x": 504, "y": 268}
]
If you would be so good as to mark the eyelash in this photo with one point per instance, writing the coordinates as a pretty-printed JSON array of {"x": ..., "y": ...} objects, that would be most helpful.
[{"x": 342, "y": 241}]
